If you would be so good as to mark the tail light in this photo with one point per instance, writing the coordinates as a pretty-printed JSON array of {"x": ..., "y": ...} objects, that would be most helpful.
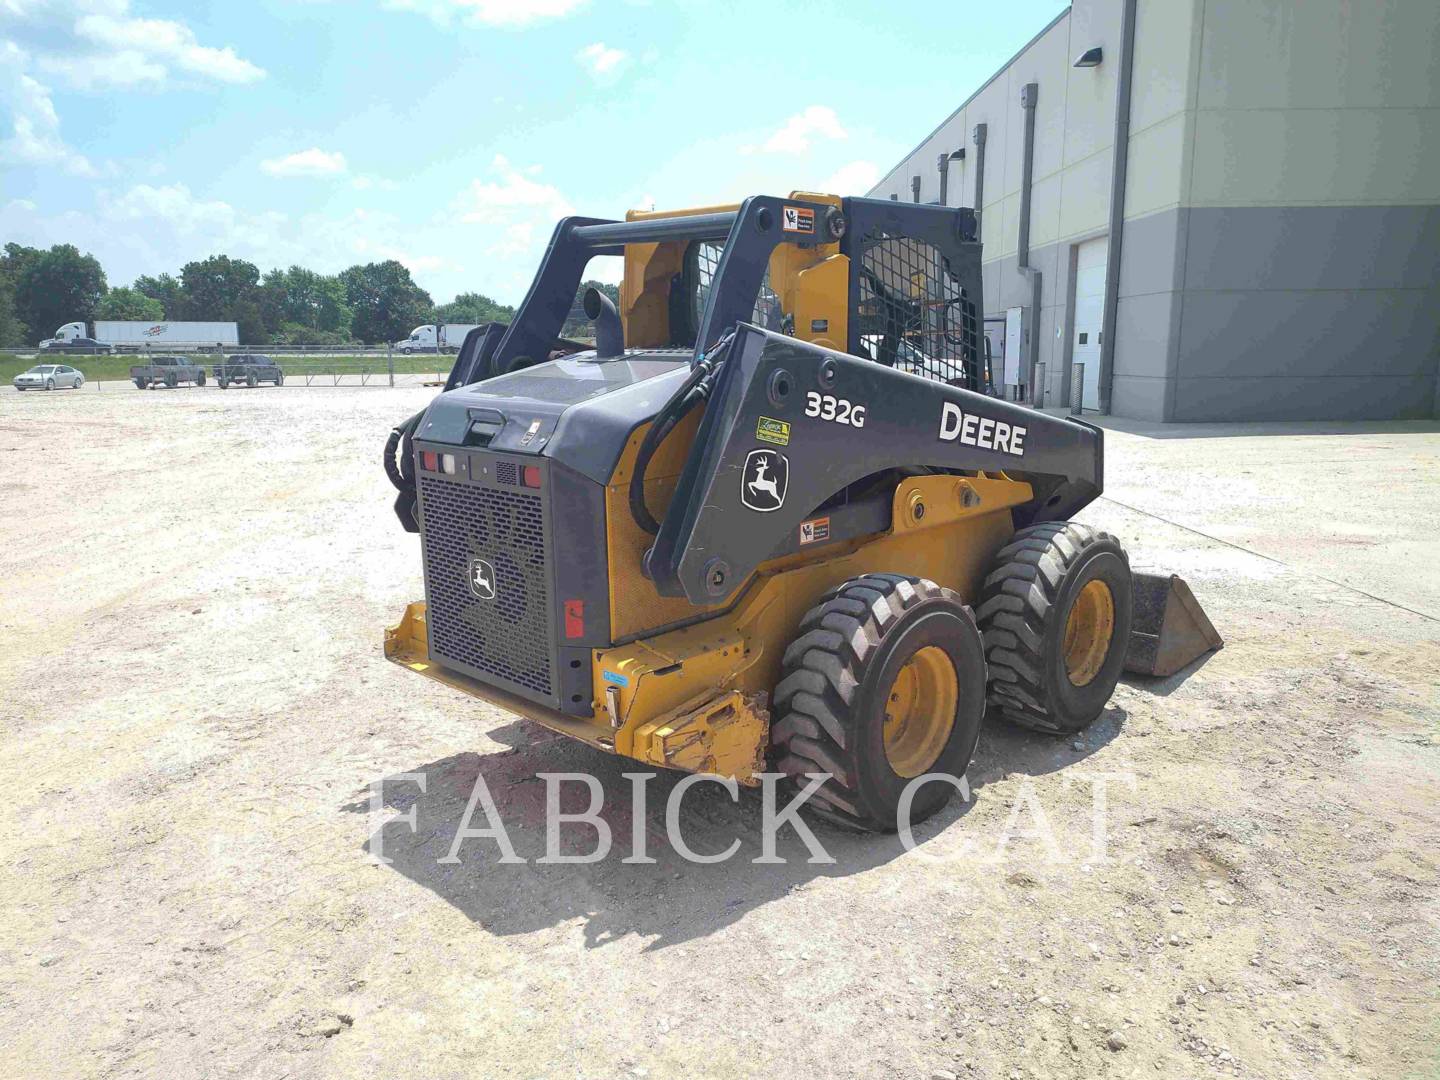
[
  {"x": 431, "y": 461},
  {"x": 530, "y": 476}
]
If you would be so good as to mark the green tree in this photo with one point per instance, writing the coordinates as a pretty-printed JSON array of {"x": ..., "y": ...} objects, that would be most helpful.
[
  {"x": 302, "y": 296},
  {"x": 213, "y": 287},
  {"x": 385, "y": 302},
  {"x": 295, "y": 334},
  {"x": 166, "y": 289},
  {"x": 128, "y": 304},
  {"x": 57, "y": 286},
  {"x": 13, "y": 330},
  {"x": 474, "y": 308}
]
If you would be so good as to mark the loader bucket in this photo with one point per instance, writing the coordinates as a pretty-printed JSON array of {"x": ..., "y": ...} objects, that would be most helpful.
[{"x": 1170, "y": 630}]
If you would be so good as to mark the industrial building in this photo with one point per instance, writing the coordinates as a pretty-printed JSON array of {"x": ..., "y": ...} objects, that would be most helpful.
[{"x": 1208, "y": 210}]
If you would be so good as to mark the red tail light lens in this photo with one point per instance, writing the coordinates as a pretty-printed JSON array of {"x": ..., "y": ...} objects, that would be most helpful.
[
  {"x": 432, "y": 461},
  {"x": 530, "y": 476}
]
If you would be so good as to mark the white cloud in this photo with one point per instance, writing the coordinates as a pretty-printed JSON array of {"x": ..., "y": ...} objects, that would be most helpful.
[
  {"x": 513, "y": 198},
  {"x": 88, "y": 44},
  {"x": 34, "y": 136},
  {"x": 160, "y": 41},
  {"x": 856, "y": 178},
  {"x": 97, "y": 43},
  {"x": 601, "y": 61},
  {"x": 507, "y": 13},
  {"x": 168, "y": 225},
  {"x": 312, "y": 162},
  {"x": 794, "y": 136}
]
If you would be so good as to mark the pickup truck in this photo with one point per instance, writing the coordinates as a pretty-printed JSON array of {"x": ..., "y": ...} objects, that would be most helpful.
[
  {"x": 249, "y": 368},
  {"x": 166, "y": 371}
]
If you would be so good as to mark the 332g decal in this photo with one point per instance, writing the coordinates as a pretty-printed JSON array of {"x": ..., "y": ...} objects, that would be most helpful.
[{"x": 836, "y": 410}]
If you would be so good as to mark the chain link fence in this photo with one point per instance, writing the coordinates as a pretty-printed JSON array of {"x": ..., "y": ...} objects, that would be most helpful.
[{"x": 310, "y": 366}]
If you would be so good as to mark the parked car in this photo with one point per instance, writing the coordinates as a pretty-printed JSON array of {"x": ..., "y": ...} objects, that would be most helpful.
[
  {"x": 249, "y": 368},
  {"x": 166, "y": 371},
  {"x": 48, "y": 377},
  {"x": 86, "y": 345}
]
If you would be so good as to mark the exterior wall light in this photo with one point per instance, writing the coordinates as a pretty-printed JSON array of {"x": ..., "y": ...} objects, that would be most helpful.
[{"x": 1090, "y": 58}]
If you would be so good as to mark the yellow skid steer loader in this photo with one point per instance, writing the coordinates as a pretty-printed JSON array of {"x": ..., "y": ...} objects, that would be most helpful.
[{"x": 770, "y": 519}]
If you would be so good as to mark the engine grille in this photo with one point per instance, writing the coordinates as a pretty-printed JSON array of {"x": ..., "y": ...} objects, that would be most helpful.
[{"x": 508, "y": 637}]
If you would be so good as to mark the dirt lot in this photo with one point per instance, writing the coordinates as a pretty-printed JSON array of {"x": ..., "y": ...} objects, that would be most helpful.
[{"x": 194, "y": 708}]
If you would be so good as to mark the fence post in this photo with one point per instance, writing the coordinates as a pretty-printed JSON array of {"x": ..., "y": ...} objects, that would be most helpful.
[{"x": 390, "y": 361}]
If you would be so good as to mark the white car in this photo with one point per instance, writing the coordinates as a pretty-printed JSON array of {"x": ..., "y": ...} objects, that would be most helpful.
[{"x": 48, "y": 377}]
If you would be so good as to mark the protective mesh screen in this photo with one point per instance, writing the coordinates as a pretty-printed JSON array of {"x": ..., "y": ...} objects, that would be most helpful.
[
  {"x": 767, "y": 311},
  {"x": 913, "y": 315}
]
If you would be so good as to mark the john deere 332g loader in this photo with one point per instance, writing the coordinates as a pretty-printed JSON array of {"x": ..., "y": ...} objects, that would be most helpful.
[{"x": 770, "y": 521}]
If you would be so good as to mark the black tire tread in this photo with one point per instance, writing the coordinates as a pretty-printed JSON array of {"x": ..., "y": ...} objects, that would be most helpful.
[
  {"x": 1014, "y": 602},
  {"x": 821, "y": 674}
]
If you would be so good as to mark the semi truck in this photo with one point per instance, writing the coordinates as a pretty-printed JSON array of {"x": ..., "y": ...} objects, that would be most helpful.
[
  {"x": 142, "y": 336},
  {"x": 432, "y": 337}
]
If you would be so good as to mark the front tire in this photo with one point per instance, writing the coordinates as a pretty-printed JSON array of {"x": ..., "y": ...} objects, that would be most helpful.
[
  {"x": 1055, "y": 613},
  {"x": 885, "y": 683},
  {"x": 251, "y": 381},
  {"x": 49, "y": 384}
]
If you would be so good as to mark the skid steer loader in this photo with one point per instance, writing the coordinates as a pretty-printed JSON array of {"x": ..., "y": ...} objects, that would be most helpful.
[{"x": 768, "y": 520}]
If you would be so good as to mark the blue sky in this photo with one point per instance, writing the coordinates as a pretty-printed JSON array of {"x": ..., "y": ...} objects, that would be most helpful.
[{"x": 450, "y": 134}]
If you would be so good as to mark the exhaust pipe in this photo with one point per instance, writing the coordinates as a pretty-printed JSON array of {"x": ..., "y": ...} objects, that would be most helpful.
[{"x": 609, "y": 330}]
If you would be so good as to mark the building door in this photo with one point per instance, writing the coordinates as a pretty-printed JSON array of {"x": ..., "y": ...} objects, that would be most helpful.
[
  {"x": 1014, "y": 343},
  {"x": 1089, "y": 313}
]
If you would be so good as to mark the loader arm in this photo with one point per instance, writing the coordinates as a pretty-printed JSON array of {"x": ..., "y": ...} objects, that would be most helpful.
[{"x": 790, "y": 426}]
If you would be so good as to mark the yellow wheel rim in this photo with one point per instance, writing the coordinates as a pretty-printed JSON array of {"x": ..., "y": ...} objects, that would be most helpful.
[
  {"x": 920, "y": 711},
  {"x": 1088, "y": 631}
]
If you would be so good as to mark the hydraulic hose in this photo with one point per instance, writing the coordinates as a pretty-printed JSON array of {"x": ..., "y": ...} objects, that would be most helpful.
[
  {"x": 695, "y": 389},
  {"x": 401, "y": 474}
]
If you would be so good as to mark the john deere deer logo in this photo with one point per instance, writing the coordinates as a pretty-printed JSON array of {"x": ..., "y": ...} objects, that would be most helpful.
[
  {"x": 763, "y": 482},
  {"x": 482, "y": 579}
]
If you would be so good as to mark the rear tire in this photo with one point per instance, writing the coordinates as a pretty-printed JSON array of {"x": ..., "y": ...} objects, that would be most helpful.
[
  {"x": 200, "y": 379},
  {"x": 885, "y": 683},
  {"x": 139, "y": 384},
  {"x": 280, "y": 379},
  {"x": 1055, "y": 613},
  {"x": 224, "y": 384}
]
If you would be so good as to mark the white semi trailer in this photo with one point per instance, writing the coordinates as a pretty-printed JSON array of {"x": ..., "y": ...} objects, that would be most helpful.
[
  {"x": 445, "y": 337},
  {"x": 142, "y": 336}
]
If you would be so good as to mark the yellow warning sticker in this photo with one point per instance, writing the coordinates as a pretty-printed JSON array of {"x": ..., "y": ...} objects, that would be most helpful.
[{"x": 773, "y": 431}]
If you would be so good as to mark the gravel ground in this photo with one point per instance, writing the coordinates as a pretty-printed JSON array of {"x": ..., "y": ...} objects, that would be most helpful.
[{"x": 1233, "y": 873}]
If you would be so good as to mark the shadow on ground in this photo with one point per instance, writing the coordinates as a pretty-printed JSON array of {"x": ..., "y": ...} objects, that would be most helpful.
[
  {"x": 1257, "y": 429},
  {"x": 672, "y": 899}
]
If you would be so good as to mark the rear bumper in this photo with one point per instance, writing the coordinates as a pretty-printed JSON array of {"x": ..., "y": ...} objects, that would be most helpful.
[
  {"x": 719, "y": 732},
  {"x": 407, "y": 644}
]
